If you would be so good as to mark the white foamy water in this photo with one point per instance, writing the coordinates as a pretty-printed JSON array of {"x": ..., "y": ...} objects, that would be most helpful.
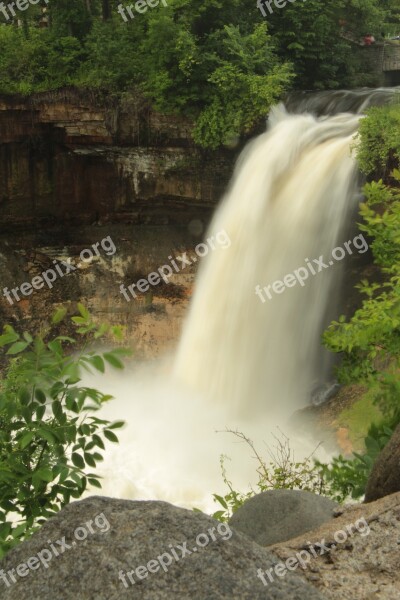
[
  {"x": 242, "y": 363},
  {"x": 289, "y": 201}
]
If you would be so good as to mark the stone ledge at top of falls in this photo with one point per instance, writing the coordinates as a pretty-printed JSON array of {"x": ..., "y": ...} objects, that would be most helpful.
[
  {"x": 72, "y": 156},
  {"x": 226, "y": 569},
  {"x": 84, "y": 117}
]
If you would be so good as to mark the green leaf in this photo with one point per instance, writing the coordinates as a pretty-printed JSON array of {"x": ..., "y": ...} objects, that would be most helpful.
[
  {"x": 44, "y": 475},
  {"x": 26, "y": 439},
  {"x": 46, "y": 435},
  {"x": 110, "y": 436},
  {"x": 83, "y": 311},
  {"x": 116, "y": 425},
  {"x": 221, "y": 500},
  {"x": 57, "y": 409},
  {"x": 79, "y": 320},
  {"x": 113, "y": 360},
  {"x": 71, "y": 373},
  {"x": 24, "y": 396},
  {"x": 101, "y": 331},
  {"x": 89, "y": 459},
  {"x": 55, "y": 347},
  {"x": 59, "y": 315},
  {"x": 9, "y": 337},
  {"x": 17, "y": 348},
  {"x": 26, "y": 414},
  {"x": 40, "y": 412},
  {"x": 40, "y": 396},
  {"x": 98, "y": 363},
  {"x": 98, "y": 441},
  {"x": 78, "y": 460},
  {"x": 94, "y": 482}
]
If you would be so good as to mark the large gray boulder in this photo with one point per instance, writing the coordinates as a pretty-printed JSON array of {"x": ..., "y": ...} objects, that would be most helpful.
[
  {"x": 100, "y": 540},
  {"x": 279, "y": 515},
  {"x": 385, "y": 475}
]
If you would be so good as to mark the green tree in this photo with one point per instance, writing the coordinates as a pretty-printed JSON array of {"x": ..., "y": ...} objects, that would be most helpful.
[
  {"x": 247, "y": 80},
  {"x": 227, "y": 79},
  {"x": 49, "y": 433},
  {"x": 309, "y": 34}
]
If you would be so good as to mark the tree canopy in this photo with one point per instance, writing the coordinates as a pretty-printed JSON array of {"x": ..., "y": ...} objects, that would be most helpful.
[{"x": 222, "y": 65}]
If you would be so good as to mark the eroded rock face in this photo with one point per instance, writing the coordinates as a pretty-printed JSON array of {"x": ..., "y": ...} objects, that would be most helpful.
[
  {"x": 151, "y": 320},
  {"x": 73, "y": 157},
  {"x": 278, "y": 515},
  {"x": 206, "y": 560},
  {"x": 385, "y": 475},
  {"x": 361, "y": 557}
]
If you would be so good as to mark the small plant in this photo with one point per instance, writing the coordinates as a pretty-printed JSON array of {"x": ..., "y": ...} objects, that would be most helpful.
[
  {"x": 281, "y": 471},
  {"x": 49, "y": 433}
]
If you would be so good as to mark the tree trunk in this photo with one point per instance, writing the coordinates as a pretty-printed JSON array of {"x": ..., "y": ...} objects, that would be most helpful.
[{"x": 106, "y": 10}]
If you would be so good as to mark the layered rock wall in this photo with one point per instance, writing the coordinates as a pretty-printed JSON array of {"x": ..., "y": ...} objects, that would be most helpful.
[{"x": 69, "y": 156}]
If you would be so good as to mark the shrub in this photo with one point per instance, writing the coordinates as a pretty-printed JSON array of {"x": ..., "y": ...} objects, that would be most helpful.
[
  {"x": 369, "y": 341},
  {"x": 281, "y": 471},
  {"x": 49, "y": 433}
]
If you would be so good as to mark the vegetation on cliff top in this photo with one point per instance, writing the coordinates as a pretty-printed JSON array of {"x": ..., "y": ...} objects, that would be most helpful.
[{"x": 222, "y": 65}]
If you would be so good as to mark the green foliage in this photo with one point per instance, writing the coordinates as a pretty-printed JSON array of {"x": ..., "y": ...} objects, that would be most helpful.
[
  {"x": 370, "y": 340},
  {"x": 232, "y": 500},
  {"x": 347, "y": 477},
  {"x": 378, "y": 151},
  {"x": 49, "y": 433},
  {"x": 41, "y": 62},
  {"x": 70, "y": 18},
  {"x": 244, "y": 67},
  {"x": 226, "y": 80},
  {"x": 111, "y": 57},
  {"x": 308, "y": 35},
  {"x": 281, "y": 471},
  {"x": 221, "y": 65},
  {"x": 391, "y": 25}
]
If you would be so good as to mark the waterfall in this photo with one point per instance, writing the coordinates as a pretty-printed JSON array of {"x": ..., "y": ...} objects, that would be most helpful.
[
  {"x": 245, "y": 361},
  {"x": 291, "y": 197}
]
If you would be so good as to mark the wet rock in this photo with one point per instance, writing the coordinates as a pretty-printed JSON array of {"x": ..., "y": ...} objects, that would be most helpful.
[{"x": 324, "y": 392}]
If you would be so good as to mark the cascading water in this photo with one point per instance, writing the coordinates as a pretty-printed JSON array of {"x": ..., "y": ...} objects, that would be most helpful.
[
  {"x": 241, "y": 362},
  {"x": 290, "y": 199}
]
